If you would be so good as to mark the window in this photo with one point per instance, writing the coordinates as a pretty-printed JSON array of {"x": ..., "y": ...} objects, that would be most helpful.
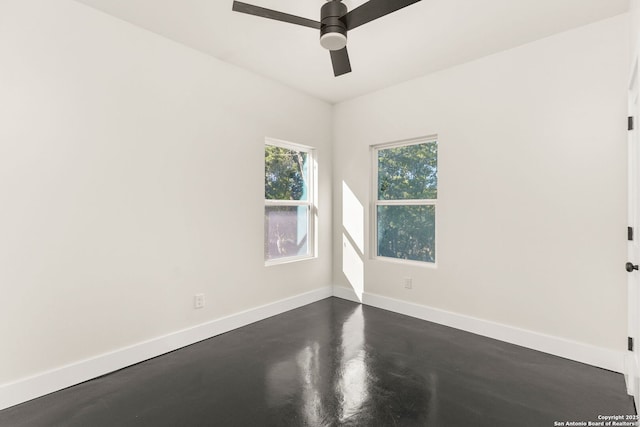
[
  {"x": 288, "y": 192},
  {"x": 406, "y": 190}
]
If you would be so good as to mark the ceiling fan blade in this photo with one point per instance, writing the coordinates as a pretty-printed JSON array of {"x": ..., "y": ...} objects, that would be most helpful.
[
  {"x": 373, "y": 9},
  {"x": 340, "y": 61},
  {"x": 273, "y": 14}
]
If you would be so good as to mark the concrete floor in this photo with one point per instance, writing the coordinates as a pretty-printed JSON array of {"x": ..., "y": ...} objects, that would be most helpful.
[{"x": 336, "y": 363}]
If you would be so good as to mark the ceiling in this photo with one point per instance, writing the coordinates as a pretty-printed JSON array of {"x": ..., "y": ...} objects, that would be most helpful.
[{"x": 428, "y": 36}]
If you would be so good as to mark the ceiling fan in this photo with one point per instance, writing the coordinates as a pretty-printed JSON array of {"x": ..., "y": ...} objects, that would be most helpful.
[{"x": 334, "y": 23}]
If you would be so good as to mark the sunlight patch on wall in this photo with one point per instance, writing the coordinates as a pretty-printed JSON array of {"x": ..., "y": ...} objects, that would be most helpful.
[
  {"x": 353, "y": 240},
  {"x": 353, "y": 217},
  {"x": 352, "y": 266}
]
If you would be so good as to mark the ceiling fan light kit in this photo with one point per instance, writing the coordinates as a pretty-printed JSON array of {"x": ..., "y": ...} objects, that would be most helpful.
[
  {"x": 333, "y": 31},
  {"x": 335, "y": 21},
  {"x": 333, "y": 41}
]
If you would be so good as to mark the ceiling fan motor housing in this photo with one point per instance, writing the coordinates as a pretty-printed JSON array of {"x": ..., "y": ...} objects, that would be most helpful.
[{"x": 333, "y": 32}]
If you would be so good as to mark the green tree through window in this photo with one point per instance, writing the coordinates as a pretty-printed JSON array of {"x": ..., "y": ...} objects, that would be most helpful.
[
  {"x": 285, "y": 176},
  {"x": 288, "y": 203},
  {"x": 407, "y": 188}
]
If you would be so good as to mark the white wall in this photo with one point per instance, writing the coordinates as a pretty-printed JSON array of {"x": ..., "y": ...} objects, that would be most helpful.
[
  {"x": 634, "y": 14},
  {"x": 131, "y": 178},
  {"x": 531, "y": 213},
  {"x": 121, "y": 194}
]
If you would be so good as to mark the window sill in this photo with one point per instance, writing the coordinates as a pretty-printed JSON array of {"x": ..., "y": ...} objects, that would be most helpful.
[
  {"x": 422, "y": 264},
  {"x": 289, "y": 260}
]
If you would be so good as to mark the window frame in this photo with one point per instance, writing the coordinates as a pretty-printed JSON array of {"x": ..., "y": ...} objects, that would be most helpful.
[
  {"x": 310, "y": 203},
  {"x": 376, "y": 202}
]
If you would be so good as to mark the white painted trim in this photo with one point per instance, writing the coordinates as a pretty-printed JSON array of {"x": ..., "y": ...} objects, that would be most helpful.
[
  {"x": 406, "y": 142},
  {"x": 631, "y": 361},
  {"x": 375, "y": 201},
  {"x": 44, "y": 383},
  {"x": 56, "y": 379},
  {"x": 631, "y": 373},
  {"x": 580, "y": 352},
  {"x": 311, "y": 202}
]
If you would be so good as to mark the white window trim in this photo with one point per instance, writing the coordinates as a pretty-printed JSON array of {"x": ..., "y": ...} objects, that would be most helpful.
[
  {"x": 311, "y": 202},
  {"x": 373, "y": 247}
]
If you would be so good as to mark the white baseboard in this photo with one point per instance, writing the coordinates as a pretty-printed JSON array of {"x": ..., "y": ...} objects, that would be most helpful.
[
  {"x": 48, "y": 382},
  {"x": 631, "y": 375},
  {"x": 585, "y": 353}
]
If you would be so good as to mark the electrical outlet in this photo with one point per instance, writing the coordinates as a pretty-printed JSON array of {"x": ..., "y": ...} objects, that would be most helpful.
[
  {"x": 408, "y": 283},
  {"x": 198, "y": 301}
]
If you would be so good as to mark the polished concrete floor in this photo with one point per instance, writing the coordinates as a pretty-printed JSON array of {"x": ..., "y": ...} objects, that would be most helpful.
[{"x": 336, "y": 363}]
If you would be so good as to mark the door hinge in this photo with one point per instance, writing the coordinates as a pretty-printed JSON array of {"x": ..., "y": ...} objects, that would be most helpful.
[
  {"x": 629, "y": 233},
  {"x": 630, "y": 123},
  {"x": 630, "y": 343}
]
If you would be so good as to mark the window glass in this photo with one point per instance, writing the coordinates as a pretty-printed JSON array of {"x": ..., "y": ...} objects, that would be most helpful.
[
  {"x": 408, "y": 172},
  {"x": 285, "y": 174},
  {"x": 288, "y": 219},
  {"x": 286, "y": 231},
  {"x": 407, "y": 232},
  {"x": 406, "y": 197}
]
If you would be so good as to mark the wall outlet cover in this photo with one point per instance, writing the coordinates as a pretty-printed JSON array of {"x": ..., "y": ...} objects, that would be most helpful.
[{"x": 198, "y": 301}]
